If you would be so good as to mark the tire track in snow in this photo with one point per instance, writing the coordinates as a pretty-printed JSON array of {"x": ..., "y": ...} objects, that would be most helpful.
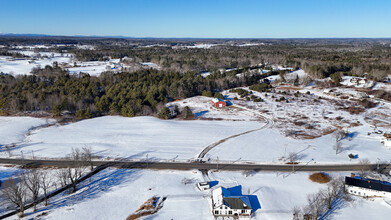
[{"x": 269, "y": 123}]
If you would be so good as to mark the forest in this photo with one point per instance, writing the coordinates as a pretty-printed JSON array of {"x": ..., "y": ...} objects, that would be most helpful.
[{"x": 145, "y": 91}]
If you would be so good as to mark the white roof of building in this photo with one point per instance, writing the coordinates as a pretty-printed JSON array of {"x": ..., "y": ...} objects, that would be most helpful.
[{"x": 217, "y": 196}]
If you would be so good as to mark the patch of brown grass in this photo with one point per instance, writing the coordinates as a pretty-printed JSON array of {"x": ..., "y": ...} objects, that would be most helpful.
[
  {"x": 289, "y": 88},
  {"x": 354, "y": 110},
  {"x": 320, "y": 178}
]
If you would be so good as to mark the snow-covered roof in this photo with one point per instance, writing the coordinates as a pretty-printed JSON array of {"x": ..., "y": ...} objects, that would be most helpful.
[
  {"x": 216, "y": 100},
  {"x": 217, "y": 196}
]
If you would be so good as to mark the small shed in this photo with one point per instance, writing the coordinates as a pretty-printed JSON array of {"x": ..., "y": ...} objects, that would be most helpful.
[{"x": 202, "y": 186}]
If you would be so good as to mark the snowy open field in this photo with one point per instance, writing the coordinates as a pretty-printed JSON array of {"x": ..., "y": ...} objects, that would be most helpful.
[
  {"x": 120, "y": 137},
  {"x": 14, "y": 129},
  {"x": 93, "y": 68},
  {"x": 23, "y": 67},
  {"x": 117, "y": 193},
  {"x": 269, "y": 146}
]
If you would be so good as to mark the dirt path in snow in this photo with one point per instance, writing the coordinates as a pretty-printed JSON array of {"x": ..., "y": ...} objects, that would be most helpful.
[{"x": 269, "y": 123}]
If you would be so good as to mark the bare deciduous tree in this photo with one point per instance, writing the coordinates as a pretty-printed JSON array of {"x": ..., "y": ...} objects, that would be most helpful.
[
  {"x": 365, "y": 166},
  {"x": 296, "y": 211},
  {"x": 338, "y": 147},
  {"x": 8, "y": 148},
  {"x": 14, "y": 192},
  {"x": 62, "y": 175},
  {"x": 46, "y": 181},
  {"x": 314, "y": 206},
  {"x": 292, "y": 157},
  {"x": 87, "y": 156},
  {"x": 339, "y": 134},
  {"x": 32, "y": 180},
  {"x": 318, "y": 203},
  {"x": 77, "y": 170},
  {"x": 331, "y": 193}
]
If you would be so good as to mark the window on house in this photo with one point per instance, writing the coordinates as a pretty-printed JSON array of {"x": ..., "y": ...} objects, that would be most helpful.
[
  {"x": 230, "y": 212},
  {"x": 216, "y": 212},
  {"x": 243, "y": 211}
]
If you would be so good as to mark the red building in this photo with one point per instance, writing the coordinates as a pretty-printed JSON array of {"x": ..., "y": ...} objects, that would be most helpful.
[{"x": 219, "y": 103}]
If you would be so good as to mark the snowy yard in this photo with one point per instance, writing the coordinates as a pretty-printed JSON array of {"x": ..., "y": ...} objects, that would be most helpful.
[{"x": 117, "y": 193}]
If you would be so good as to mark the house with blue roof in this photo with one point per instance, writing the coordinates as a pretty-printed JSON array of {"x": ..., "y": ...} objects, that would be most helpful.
[{"x": 229, "y": 202}]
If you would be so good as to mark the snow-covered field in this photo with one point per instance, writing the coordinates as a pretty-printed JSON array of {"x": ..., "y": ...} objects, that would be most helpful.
[
  {"x": 120, "y": 137},
  {"x": 94, "y": 68},
  {"x": 288, "y": 76},
  {"x": 23, "y": 67},
  {"x": 270, "y": 146},
  {"x": 14, "y": 129}
]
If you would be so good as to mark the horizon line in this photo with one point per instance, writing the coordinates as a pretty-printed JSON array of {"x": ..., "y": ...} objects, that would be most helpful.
[{"x": 179, "y": 38}]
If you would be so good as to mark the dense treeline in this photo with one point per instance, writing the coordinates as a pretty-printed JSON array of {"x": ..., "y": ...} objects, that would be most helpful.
[
  {"x": 319, "y": 57},
  {"x": 141, "y": 93},
  {"x": 373, "y": 58}
]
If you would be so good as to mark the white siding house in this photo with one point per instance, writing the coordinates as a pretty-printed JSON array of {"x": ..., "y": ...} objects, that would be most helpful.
[
  {"x": 367, "y": 187},
  {"x": 224, "y": 204}
]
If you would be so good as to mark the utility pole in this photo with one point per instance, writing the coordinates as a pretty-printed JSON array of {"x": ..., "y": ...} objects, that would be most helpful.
[
  {"x": 293, "y": 167},
  {"x": 285, "y": 152},
  {"x": 147, "y": 161},
  {"x": 378, "y": 161},
  {"x": 217, "y": 163},
  {"x": 21, "y": 152}
]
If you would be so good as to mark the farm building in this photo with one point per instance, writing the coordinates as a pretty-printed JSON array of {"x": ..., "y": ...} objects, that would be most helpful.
[
  {"x": 219, "y": 103},
  {"x": 359, "y": 186},
  {"x": 229, "y": 202}
]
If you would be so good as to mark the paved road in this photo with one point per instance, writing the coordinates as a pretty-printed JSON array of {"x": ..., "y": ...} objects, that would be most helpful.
[{"x": 201, "y": 166}]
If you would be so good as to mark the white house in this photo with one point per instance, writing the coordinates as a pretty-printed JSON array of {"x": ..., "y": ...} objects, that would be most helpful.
[
  {"x": 226, "y": 203},
  {"x": 367, "y": 187}
]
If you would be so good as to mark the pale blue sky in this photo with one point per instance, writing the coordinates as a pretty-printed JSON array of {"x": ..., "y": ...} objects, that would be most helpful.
[{"x": 199, "y": 18}]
